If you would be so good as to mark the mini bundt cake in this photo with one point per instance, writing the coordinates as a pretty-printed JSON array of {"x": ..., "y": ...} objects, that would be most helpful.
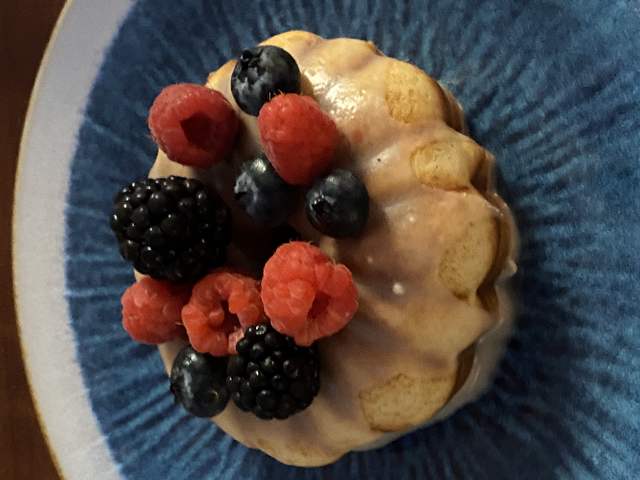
[{"x": 429, "y": 266}]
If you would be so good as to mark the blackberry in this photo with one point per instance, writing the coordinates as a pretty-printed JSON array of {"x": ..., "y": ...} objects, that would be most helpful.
[
  {"x": 271, "y": 376},
  {"x": 171, "y": 228},
  {"x": 197, "y": 382}
]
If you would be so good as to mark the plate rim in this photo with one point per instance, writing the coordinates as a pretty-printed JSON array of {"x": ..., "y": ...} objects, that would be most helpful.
[
  {"x": 65, "y": 460},
  {"x": 26, "y": 132}
]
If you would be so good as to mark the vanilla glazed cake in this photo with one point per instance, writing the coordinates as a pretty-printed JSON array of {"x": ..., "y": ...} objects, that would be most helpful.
[{"x": 430, "y": 265}]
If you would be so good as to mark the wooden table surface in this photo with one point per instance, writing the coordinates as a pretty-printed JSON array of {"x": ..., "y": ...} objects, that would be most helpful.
[{"x": 25, "y": 27}]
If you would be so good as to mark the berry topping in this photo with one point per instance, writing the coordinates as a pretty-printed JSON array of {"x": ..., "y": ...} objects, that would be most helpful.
[
  {"x": 151, "y": 310},
  {"x": 222, "y": 305},
  {"x": 171, "y": 228},
  {"x": 284, "y": 234},
  {"x": 338, "y": 204},
  {"x": 271, "y": 376},
  {"x": 260, "y": 74},
  {"x": 265, "y": 197},
  {"x": 193, "y": 125},
  {"x": 298, "y": 138},
  {"x": 306, "y": 295},
  {"x": 198, "y": 382}
]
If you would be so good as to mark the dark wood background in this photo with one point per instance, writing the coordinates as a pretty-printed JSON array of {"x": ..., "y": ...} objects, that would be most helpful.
[{"x": 25, "y": 27}]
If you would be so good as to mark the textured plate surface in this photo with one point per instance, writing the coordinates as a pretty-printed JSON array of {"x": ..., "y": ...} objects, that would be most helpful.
[{"x": 552, "y": 88}]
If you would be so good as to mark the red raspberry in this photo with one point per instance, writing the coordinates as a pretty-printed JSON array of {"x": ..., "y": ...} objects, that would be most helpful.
[
  {"x": 222, "y": 305},
  {"x": 298, "y": 137},
  {"x": 193, "y": 125},
  {"x": 306, "y": 295},
  {"x": 151, "y": 310}
]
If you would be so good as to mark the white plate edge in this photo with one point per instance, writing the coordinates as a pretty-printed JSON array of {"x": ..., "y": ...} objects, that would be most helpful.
[{"x": 84, "y": 30}]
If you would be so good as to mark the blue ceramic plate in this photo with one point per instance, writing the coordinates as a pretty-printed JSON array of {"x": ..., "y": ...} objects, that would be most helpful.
[{"x": 551, "y": 87}]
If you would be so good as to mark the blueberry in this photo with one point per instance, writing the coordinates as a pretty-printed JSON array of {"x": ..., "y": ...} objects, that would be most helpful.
[
  {"x": 260, "y": 191},
  {"x": 260, "y": 74},
  {"x": 338, "y": 204},
  {"x": 198, "y": 382}
]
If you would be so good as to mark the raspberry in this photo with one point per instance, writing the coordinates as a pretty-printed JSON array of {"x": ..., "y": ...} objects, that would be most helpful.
[
  {"x": 305, "y": 295},
  {"x": 222, "y": 305},
  {"x": 193, "y": 125},
  {"x": 151, "y": 310},
  {"x": 298, "y": 137}
]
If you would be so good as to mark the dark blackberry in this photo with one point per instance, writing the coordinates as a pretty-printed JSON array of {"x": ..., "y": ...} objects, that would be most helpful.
[
  {"x": 271, "y": 376},
  {"x": 197, "y": 382},
  {"x": 171, "y": 228}
]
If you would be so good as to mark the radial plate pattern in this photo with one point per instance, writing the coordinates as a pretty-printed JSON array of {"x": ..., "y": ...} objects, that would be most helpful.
[{"x": 551, "y": 88}]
